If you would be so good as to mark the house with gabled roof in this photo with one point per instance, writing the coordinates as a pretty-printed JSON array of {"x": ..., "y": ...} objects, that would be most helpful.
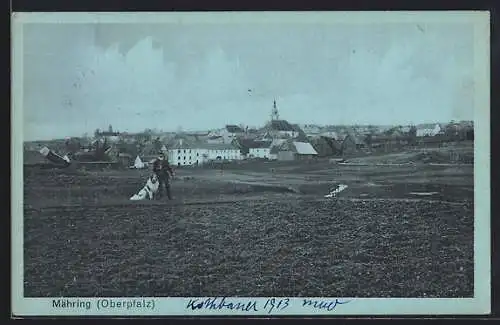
[
  {"x": 353, "y": 143},
  {"x": 326, "y": 146},
  {"x": 275, "y": 148},
  {"x": 251, "y": 148},
  {"x": 234, "y": 129},
  {"x": 224, "y": 135},
  {"x": 295, "y": 150}
]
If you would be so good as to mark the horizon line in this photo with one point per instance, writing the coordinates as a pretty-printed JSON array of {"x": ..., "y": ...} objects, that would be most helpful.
[{"x": 156, "y": 131}]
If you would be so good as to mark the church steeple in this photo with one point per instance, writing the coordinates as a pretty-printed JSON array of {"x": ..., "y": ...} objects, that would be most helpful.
[{"x": 274, "y": 114}]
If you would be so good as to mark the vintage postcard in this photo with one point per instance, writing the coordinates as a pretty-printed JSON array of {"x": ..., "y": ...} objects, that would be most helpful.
[{"x": 250, "y": 163}]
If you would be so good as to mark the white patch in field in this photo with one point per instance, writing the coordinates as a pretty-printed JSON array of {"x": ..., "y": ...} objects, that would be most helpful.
[
  {"x": 424, "y": 193},
  {"x": 45, "y": 151},
  {"x": 336, "y": 190}
]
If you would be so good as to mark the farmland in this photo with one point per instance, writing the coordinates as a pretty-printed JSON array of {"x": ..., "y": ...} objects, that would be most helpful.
[{"x": 253, "y": 229}]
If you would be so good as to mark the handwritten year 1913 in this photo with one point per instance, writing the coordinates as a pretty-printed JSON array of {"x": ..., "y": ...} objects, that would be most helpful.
[{"x": 276, "y": 304}]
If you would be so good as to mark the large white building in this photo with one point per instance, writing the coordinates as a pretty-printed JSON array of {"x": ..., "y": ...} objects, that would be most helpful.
[{"x": 182, "y": 152}]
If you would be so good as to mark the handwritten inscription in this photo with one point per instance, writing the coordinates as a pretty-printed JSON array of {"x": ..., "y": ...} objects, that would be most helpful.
[
  {"x": 323, "y": 304},
  {"x": 218, "y": 304},
  {"x": 271, "y": 305},
  {"x": 276, "y": 304}
]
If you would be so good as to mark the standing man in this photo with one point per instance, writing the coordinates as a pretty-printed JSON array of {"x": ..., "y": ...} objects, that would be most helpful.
[{"x": 163, "y": 171}]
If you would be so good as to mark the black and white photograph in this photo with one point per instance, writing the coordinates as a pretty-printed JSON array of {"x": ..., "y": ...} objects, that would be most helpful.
[{"x": 232, "y": 158}]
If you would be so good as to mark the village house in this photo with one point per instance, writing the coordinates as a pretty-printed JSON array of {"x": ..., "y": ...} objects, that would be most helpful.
[
  {"x": 326, "y": 146},
  {"x": 353, "y": 143},
  {"x": 251, "y": 148},
  {"x": 225, "y": 135},
  {"x": 294, "y": 150},
  {"x": 300, "y": 135},
  {"x": 311, "y": 130},
  {"x": 438, "y": 140},
  {"x": 428, "y": 130},
  {"x": 388, "y": 143},
  {"x": 260, "y": 149},
  {"x": 275, "y": 148},
  {"x": 459, "y": 131}
]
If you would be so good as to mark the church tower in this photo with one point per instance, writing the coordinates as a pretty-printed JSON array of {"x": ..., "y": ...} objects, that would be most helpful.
[
  {"x": 274, "y": 113},
  {"x": 271, "y": 132}
]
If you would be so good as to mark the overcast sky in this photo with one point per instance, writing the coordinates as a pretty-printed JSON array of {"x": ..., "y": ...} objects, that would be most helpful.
[{"x": 79, "y": 77}]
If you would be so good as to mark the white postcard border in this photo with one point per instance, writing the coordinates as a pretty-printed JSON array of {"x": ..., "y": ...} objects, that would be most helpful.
[{"x": 480, "y": 304}]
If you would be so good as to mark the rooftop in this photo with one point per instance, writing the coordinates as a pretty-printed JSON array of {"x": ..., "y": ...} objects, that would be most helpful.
[
  {"x": 304, "y": 148},
  {"x": 189, "y": 144},
  {"x": 332, "y": 142},
  {"x": 281, "y": 125},
  {"x": 234, "y": 129},
  {"x": 355, "y": 138},
  {"x": 251, "y": 143}
]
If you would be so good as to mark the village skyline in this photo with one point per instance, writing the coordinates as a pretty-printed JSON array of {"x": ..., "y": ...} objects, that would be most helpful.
[
  {"x": 81, "y": 76},
  {"x": 305, "y": 126}
]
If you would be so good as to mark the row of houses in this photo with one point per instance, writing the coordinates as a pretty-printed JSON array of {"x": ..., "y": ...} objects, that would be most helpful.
[
  {"x": 277, "y": 140},
  {"x": 185, "y": 151},
  {"x": 354, "y": 143},
  {"x": 339, "y": 133}
]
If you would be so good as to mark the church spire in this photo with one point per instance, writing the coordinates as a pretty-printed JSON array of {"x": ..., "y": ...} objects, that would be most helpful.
[{"x": 275, "y": 114}]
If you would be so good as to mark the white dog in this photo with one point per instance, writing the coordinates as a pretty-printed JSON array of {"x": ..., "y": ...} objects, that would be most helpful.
[{"x": 149, "y": 190}]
